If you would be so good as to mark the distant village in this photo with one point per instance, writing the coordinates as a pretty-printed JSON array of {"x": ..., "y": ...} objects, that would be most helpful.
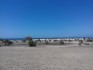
[{"x": 46, "y": 41}]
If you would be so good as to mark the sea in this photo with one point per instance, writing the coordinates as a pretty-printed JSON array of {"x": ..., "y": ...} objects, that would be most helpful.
[{"x": 45, "y": 38}]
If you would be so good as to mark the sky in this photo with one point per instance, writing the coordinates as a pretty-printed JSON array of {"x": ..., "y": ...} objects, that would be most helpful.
[{"x": 46, "y": 18}]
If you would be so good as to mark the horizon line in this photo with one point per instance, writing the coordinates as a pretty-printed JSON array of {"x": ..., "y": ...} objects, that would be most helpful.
[{"x": 46, "y": 37}]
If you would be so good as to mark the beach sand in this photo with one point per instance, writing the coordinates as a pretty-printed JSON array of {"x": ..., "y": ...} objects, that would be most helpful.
[{"x": 46, "y": 58}]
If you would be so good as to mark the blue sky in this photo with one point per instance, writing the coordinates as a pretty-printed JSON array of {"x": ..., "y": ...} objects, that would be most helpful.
[{"x": 46, "y": 18}]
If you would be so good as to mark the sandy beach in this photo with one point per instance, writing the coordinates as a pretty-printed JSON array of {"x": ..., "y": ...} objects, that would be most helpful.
[
  {"x": 46, "y": 35},
  {"x": 46, "y": 58}
]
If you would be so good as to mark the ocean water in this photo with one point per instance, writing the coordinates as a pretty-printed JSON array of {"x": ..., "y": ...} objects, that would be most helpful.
[
  {"x": 14, "y": 38},
  {"x": 45, "y": 38}
]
